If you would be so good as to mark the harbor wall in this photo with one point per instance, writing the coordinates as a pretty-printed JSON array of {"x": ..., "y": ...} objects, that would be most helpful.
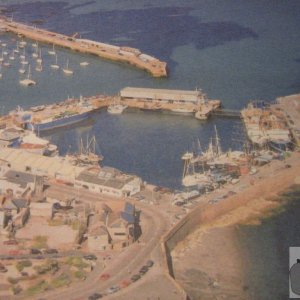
[{"x": 121, "y": 54}]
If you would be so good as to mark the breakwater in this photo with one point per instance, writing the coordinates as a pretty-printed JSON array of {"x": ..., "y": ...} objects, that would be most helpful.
[{"x": 128, "y": 55}]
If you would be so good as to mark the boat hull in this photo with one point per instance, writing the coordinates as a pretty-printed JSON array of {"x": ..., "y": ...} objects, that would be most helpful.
[{"x": 66, "y": 121}]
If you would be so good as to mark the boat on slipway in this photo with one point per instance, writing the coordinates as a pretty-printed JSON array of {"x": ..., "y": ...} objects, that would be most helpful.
[
  {"x": 116, "y": 109},
  {"x": 48, "y": 117}
]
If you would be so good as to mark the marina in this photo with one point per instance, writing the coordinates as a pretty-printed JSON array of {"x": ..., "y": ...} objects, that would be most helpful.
[{"x": 115, "y": 53}]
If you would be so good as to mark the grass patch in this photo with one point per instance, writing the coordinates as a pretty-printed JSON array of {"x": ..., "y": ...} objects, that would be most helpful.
[
  {"x": 60, "y": 281},
  {"x": 76, "y": 262},
  {"x": 80, "y": 274},
  {"x": 40, "y": 242},
  {"x": 50, "y": 265},
  {"x": 23, "y": 264},
  {"x": 37, "y": 288}
]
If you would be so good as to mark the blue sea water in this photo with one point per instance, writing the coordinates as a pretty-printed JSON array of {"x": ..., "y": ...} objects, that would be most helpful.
[{"x": 235, "y": 51}]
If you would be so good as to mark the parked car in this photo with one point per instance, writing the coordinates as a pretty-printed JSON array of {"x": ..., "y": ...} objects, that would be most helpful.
[
  {"x": 95, "y": 296},
  {"x": 35, "y": 251},
  {"x": 50, "y": 251},
  {"x": 135, "y": 277},
  {"x": 149, "y": 263},
  {"x": 10, "y": 242},
  {"x": 113, "y": 289},
  {"x": 143, "y": 270},
  {"x": 90, "y": 257},
  {"x": 104, "y": 276}
]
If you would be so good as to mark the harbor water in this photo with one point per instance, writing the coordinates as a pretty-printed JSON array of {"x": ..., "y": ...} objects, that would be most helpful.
[{"x": 235, "y": 51}]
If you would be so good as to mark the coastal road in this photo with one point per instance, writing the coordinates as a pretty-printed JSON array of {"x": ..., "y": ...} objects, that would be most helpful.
[{"x": 154, "y": 225}]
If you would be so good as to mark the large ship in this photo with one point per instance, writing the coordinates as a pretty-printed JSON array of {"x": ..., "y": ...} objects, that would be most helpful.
[
  {"x": 47, "y": 117},
  {"x": 266, "y": 126}
]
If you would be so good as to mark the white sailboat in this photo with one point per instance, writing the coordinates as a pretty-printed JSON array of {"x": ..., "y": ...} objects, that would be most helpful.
[
  {"x": 23, "y": 44},
  {"x": 52, "y": 52},
  {"x": 66, "y": 70},
  {"x": 34, "y": 45},
  {"x": 12, "y": 56},
  {"x": 39, "y": 67},
  {"x": 6, "y": 64},
  {"x": 0, "y": 71},
  {"x": 1, "y": 58},
  {"x": 35, "y": 53},
  {"x": 39, "y": 60},
  {"x": 22, "y": 70},
  {"x": 17, "y": 48},
  {"x": 28, "y": 81},
  {"x": 84, "y": 63},
  {"x": 55, "y": 66},
  {"x": 22, "y": 56},
  {"x": 3, "y": 45}
]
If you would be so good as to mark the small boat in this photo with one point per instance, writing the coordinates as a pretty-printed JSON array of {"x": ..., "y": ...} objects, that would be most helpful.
[
  {"x": 35, "y": 53},
  {"x": 28, "y": 81},
  {"x": 3, "y": 44},
  {"x": 5, "y": 53},
  {"x": 52, "y": 52},
  {"x": 39, "y": 67},
  {"x": 39, "y": 60},
  {"x": 12, "y": 56},
  {"x": 17, "y": 49},
  {"x": 24, "y": 62},
  {"x": 55, "y": 66},
  {"x": 116, "y": 109},
  {"x": 0, "y": 72},
  {"x": 84, "y": 63},
  {"x": 1, "y": 58},
  {"x": 6, "y": 64},
  {"x": 22, "y": 44},
  {"x": 22, "y": 70},
  {"x": 66, "y": 70},
  {"x": 35, "y": 45}
]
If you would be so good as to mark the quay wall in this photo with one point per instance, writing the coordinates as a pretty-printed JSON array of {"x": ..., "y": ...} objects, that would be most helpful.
[
  {"x": 206, "y": 213},
  {"x": 132, "y": 56}
]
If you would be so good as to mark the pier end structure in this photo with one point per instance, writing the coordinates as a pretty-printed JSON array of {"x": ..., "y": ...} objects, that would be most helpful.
[{"x": 123, "y": 54}]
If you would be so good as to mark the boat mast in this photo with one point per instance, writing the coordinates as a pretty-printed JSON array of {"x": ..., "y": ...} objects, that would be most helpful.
[{"x": 218, "y": 145}]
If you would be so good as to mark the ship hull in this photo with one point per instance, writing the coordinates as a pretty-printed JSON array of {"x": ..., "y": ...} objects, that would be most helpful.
[{"x": 58, "y": 123}]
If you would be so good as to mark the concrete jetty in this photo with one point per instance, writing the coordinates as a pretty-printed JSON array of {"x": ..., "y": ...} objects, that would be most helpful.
[{"x": 128, "y": 55}]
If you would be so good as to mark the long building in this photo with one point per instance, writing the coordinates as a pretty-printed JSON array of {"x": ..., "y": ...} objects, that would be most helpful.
[{"x": 163, "y": 95}]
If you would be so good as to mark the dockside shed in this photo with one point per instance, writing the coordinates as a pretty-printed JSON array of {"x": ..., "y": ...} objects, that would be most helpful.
[{"x": 145, "y": 94}]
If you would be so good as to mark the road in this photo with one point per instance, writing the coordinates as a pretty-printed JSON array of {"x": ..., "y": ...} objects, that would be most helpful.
[{"x": 154, "y": 225}]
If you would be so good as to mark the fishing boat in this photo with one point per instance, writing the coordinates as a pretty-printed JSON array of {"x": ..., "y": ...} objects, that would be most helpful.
[
  {"x": 84, "y": 63},
  {"x": 69, "y": 112},
  {"x": 55, "y": 66},
  {"x": 28, "y": 81},
  {"x": 87, "y": 154},
  {"x": 52, "y": 52},
  {"x": 67, "y": 70},
  {"x": 116, "y": 109}
]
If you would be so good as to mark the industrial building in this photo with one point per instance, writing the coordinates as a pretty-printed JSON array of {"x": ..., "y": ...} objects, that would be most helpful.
[{"x": 162, "y": 95}]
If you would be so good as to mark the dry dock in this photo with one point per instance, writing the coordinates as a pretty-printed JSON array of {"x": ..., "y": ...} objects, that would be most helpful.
[{"x": 129, "y": 55}]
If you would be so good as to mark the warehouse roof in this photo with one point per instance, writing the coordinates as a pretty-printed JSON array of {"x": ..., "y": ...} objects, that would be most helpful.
[
  {"x": 162, "y": 94},
  {"x": 21, "y": 160}
]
